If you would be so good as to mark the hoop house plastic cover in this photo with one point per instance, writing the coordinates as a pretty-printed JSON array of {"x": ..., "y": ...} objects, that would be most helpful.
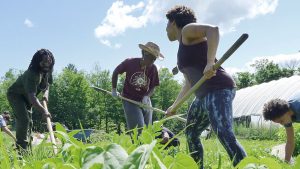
[{"x": 250, "y": 100}]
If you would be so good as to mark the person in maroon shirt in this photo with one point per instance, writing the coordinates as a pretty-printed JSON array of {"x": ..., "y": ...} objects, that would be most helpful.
[{"x": 141, "y": 79}]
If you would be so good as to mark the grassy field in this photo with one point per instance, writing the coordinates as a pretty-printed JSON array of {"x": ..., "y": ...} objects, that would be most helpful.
[{"x": 118, "y": 152}]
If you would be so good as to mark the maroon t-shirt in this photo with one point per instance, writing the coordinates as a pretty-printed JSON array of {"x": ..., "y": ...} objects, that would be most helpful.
[
  {"x": 192, "y": 60},
  {"x": 138, "y": 82}
]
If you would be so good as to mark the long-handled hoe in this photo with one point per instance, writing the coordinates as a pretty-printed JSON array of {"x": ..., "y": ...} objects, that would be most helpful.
[
  {"x": 49, "y": 126},
  {"x": 136, "y": 103},
  {"x": 228, "y": 53}
]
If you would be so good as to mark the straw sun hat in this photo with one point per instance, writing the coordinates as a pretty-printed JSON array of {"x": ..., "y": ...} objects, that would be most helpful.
[{"x": 153, "y": 49}]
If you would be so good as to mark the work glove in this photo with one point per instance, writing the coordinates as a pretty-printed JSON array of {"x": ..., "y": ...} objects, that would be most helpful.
[
  {"x": 114, "y": 92},
  {"x": 146, "y": 100}
]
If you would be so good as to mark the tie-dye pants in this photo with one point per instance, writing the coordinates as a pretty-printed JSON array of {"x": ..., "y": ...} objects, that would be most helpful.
[{"x": 215, "y": 109}]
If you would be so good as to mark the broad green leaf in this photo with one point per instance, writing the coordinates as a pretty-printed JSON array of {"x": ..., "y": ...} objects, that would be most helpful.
[
  {"x": 270, "y": 163},
  {"x": 247, "y": 161},
  {"x": 158, "y": 160},
  {"x": 146, "y": 137},
  {"x": 168, "y": 160},
  {"x": 115, "y": 154},
  {"x": 250, "y": 166},
  {"x": 139, "y": 157},
  {"x": 68, "y": 137},
  {"x": 90, "y": 153},
  {"x": 181, "y": 161},
  {"x": 125, "y": 141},
  {"x": 297, "y": 162},
  {"x": 59, "y": 127},
  {"x": 112, "y": 157},
  {"x": 48, "y": 166}
]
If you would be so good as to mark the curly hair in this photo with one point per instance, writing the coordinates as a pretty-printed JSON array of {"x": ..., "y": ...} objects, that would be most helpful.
[
  {"x": 38, "y": 57},
  {"x": 275, "y": 108},
  {"x": 182, "y": 15}
]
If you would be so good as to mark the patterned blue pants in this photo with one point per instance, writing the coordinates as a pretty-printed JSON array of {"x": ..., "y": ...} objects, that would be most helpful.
[{"x": 215, "y": 109}]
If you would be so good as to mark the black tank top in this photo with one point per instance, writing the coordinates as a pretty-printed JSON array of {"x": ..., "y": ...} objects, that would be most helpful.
[{"x": 192, "y": 59}]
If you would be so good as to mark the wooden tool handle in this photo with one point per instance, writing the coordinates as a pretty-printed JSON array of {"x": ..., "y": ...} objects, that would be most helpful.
[
  {"x": 136, "y": 103},
  {"x": 228, "y": 53},
  {"x": 49, "y": 126}
]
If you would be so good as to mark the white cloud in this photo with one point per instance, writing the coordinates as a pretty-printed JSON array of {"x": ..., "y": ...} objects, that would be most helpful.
[
  {"x": 228, "y": 14},
  {"x": 225, "y": 13},
  {"x": 108, "y": 43},
  {"x": 233, "y": 70},
  {"x": 121, "y": 17},
  {"x": 28, "y": 23}
]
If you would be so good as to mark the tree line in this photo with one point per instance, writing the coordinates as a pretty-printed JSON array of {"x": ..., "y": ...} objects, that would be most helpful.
[{"x": 73, "y": 103}]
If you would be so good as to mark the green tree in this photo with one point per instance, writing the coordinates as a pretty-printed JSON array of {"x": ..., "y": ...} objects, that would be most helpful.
[
  {"x": 244, "y": 79},
  {"x": 108, "y": 109},
  {"x": 165, "y": 94},
  {"x": 68, "y": 99},
  {"x": 267, "y": 71},
  {"x": 5, "y": 82}
]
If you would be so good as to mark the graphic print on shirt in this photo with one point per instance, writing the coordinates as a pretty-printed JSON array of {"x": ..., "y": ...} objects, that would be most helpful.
[{"x": 140, "y": 81}]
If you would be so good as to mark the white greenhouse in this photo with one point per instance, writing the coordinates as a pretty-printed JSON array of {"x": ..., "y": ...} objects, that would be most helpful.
[{"x": 249, "y": 101}]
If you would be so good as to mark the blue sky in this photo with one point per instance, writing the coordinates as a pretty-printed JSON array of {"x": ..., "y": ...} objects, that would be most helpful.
[{"x": 105, "y": 32}]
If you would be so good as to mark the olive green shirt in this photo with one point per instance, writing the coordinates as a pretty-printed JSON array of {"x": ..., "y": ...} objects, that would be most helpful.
[{"x": 30, "y": 82}]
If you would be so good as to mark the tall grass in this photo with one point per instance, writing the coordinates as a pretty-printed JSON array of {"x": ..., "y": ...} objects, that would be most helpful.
[{"x": 256, "y": 133}]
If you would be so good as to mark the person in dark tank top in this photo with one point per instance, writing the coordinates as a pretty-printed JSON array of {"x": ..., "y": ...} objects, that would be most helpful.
[{"x": 196, "y": 57}]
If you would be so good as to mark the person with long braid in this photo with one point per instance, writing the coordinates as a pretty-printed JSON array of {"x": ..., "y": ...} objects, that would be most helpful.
[{"x": 22, "y": 96}]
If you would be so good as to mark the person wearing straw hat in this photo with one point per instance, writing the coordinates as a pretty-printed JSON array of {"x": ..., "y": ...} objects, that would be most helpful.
[
  {"x": 285, "y": 112},
  {"x": 141, "y": 79},
  {"x": 213, "y": 102}
]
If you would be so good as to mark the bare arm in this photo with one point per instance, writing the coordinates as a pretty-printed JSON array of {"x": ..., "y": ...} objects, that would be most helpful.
[
  {"x": 290, "y": 143},
  {"x": 46, "y": 94},
  {"x": 195, "y": 33},
  {"x": 37, "y": 104},
  {"x": 6, "y": 130},
  {"x": 114, "y": 79}
]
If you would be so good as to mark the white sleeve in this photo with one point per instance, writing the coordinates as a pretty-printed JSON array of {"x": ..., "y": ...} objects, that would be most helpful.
[{"x": 2, "y": 122}]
